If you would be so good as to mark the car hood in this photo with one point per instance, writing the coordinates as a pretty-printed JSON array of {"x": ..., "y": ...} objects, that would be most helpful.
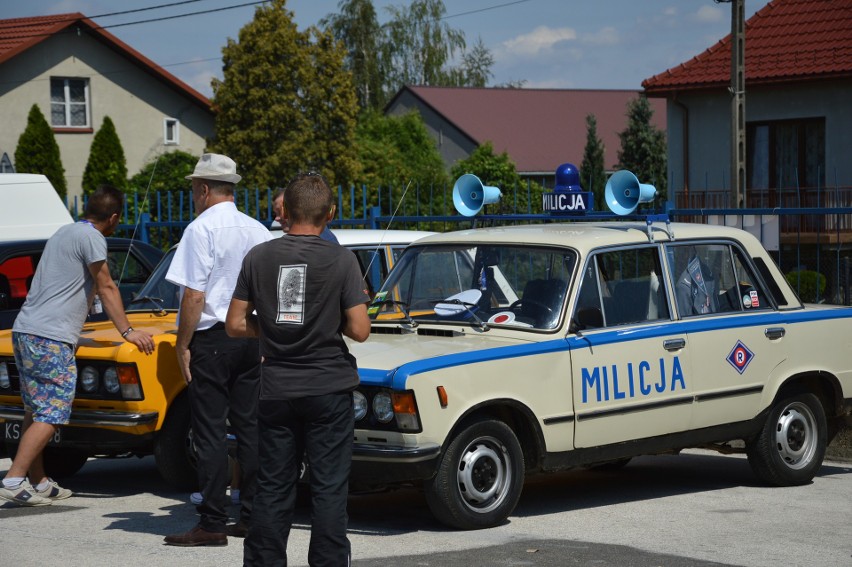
[
  {"x": 388, "y": 359},
  {"x": 103, "y": 341}
]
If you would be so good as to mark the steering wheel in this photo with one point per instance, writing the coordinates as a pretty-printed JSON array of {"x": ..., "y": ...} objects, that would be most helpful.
[{"x": 530, "y": 301}]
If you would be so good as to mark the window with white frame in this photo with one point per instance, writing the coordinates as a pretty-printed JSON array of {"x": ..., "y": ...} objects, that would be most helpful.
[
  {"x": 171, "y": 131},
  {"x": 69, "y": 103}
]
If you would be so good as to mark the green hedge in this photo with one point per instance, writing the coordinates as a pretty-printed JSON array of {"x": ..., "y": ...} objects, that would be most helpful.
[{"x": 806, "y": 282}]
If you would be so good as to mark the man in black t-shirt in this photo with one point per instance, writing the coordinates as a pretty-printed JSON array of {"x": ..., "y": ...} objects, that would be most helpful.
[{"x": 307, "y": 293}]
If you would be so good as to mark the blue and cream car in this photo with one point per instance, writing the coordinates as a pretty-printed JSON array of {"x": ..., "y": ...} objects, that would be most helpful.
[{"x": 502, "y": 352}]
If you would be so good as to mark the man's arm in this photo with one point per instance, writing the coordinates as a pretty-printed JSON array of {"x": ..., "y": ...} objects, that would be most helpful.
[
  {"x": 111, "y": 299},
  {"x": 357, "y": 325},
  {"x": 191, "y": 306},
  {"x": 241, "y": 321}
]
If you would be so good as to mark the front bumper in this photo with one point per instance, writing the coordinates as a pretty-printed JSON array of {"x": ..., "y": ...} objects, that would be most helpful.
[
  {"x": 99, "y": 432},
  {"x": 374, "y": 465}
]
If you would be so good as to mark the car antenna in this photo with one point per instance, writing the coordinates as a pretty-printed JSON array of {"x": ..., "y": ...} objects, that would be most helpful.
[
  {"x": 136, "y": 224},
  {"x": 384, "y": 233}
]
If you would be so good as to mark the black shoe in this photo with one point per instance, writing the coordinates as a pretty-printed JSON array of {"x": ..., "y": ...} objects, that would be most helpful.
[
  {"x": 240, "y": 529},
  {"x": 195, "y": 537}
]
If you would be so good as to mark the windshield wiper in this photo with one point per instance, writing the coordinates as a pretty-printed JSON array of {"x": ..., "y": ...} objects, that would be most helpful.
[
  {"x": 403, "y": 306},
  {"x": 156, "y": 301},
  {"x": 479, "y": 322}
]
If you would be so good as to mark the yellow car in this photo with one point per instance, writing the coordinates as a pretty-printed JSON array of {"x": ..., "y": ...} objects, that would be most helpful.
[{"x": 128, "y": 403}]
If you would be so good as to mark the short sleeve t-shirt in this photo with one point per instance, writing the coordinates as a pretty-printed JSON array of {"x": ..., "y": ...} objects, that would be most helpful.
[
  {"x": 300, "y": 287},
  {"x": 62, "y": 289}
]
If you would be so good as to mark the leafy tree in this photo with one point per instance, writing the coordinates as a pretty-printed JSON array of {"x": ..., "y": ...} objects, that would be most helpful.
[
  {"x": 107, "y": 163},
  {"x": 398, "y": 154},
  {"x": 419, "y": 46},
  {"x": 593, "y": 170},
  {"x": 358, "y": 28},
  {"x": 167, "y": 172},
  {"x": 643, "y": 147},
  {"x": 499, "y": 171},
  {"x": 475, "y": 69},
  {"x": 286, "y": 102},
  {"x": 38, "y": 152}
]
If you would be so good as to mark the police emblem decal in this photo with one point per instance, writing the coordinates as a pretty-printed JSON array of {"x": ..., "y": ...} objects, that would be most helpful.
[{"x": 740, "y": 357}]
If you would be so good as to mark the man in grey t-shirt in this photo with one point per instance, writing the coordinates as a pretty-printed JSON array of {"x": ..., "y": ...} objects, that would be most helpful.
[{"x": 72, "y": 268}]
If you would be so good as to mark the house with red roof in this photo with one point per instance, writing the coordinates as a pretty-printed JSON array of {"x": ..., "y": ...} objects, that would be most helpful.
[
  {"x": 798, "y": 109},
  {"x": 538, "y": 128},
  {"x": 78, "y": 73}
]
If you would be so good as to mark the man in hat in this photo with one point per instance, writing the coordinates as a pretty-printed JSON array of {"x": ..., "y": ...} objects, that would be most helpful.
[{"x": 222, "y": 373}]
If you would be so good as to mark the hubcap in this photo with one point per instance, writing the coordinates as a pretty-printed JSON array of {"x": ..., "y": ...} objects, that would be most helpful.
[
  {"x": 484, "y": 473},
  {"x": 795, "y": 435}
]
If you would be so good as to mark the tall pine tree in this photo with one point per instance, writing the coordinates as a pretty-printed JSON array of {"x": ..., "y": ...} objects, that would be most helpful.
[
  {"x": 38, "y": 152},
  {"x": 107, "y": 163},
  {"x": 593, "y": 169},
  {"x": 643, "y": 147}
]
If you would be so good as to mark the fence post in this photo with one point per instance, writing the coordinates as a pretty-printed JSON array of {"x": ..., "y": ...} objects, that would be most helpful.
[
  {"x": 144, "y": 219},
  {"x": 375, "y": 213}
]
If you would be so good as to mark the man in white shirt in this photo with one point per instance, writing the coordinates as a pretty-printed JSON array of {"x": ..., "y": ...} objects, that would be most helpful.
[{"x": 222, "y": 373}]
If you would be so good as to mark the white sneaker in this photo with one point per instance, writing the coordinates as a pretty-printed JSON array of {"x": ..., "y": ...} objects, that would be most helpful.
[
  {"x": 23, "y": 495},
  {"x": 54, "y": 491}
]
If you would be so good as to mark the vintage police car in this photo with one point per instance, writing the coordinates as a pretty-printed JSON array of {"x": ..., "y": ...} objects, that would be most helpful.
[
  {"x": 502, "y": 352},
  {"x": 128, "y": 403}
]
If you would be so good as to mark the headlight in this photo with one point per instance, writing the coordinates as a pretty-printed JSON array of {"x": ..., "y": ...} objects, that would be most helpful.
[
  {"x": 89, "y": 379},
  {"x": 360, "y": 404},
  {"x": 111, "y": 380},
  {"x": 383, "y": 407},
  {"x": 4, "y": 376}
]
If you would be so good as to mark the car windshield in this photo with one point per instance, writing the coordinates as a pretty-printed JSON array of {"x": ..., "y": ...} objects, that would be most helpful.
[
  {"x": 157, "y": 294},
  {"x": 482, "y": 285}
]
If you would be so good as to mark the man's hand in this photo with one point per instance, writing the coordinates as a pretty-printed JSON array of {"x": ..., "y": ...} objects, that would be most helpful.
[
  {"x": 183, "y": 357},
  {"x": 111, "y": 299},
  {"x": 144, "y": 341}
]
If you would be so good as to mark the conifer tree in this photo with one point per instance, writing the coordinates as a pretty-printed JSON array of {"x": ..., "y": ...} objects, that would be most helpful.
[
  {"x": 38, "y": 152},
  {"x": 107, "y": 163},
  {"x": 593, "y": 169},
  {"x": 643, "y": 147}
]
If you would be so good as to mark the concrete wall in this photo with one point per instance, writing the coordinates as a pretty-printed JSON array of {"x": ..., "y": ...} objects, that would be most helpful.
[
  {"x": 135, "y": 100},
  {"x": 709, "y": 129}
]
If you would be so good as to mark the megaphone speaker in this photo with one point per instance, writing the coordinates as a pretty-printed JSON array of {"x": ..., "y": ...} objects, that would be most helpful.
[
  {"x": 470, "y": 195},
  {"x": 623, "y": 192}
]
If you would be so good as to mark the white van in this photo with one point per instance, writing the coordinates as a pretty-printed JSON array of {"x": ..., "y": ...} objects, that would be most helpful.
[{"x": 32, "y": 209}]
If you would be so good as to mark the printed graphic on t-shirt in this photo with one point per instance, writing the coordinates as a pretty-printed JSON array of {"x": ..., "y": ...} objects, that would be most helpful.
[{"x": 291, "y": 293}]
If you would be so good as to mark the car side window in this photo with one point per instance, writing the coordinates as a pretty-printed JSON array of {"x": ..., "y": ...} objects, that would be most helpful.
[
  {"x": 16, "y": 276},
  {"x": 713, "y": 278},
  {"x": 622, "y": 287}
]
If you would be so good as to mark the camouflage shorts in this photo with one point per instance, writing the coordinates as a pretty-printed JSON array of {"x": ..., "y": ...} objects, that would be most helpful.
[{"x": 48, "y": 377}]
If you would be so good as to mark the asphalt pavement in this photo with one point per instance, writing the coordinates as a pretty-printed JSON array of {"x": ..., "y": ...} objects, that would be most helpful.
[{"x": 696, "y": 509}]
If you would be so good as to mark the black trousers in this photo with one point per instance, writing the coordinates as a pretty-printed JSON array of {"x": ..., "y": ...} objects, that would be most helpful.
[
  {"x": 320, "y": 428},
  {"x": 225, "y": 386}
]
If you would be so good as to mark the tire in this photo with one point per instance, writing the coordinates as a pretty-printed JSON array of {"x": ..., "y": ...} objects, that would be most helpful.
[
  {"x": 59, "y": 463},
  {"x": 479, "y": 478},
  {"x": 791, "y": 446},
  {"x": 173, "y": 450}
]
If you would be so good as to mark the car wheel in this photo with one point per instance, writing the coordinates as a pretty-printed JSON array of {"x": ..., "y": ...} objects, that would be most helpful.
[
  {"x": 480, "y": 477},
  {"x": 173, "y": 450},
  {"x": 791, "y": 446}
]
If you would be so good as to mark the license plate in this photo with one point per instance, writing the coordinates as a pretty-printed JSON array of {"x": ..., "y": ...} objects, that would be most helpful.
[{"x": 12, "y": 432}]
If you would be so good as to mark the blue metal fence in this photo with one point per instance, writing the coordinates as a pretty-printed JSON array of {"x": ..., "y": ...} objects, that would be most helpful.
[{"x": 815, "y": 226}]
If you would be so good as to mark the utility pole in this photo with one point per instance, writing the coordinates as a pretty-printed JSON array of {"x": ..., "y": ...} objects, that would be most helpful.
[{"x": 737, "y": 88}]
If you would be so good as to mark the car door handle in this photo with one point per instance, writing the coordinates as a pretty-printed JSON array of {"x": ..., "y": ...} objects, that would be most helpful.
[
  {"x": 674, "y": 344},
  {"x": 773, "y": 333}
]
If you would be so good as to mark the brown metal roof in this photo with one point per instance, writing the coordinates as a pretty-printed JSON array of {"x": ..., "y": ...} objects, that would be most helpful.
[
  {"x": 538, "y": 128},
  {"x": 786, "y": 41},
  {"x": 19, "y": 34}
]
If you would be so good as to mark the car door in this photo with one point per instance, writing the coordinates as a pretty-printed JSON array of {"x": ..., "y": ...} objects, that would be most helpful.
[
  {"x": 737, "y": 341},
  {"x": 632, "y": 377}
]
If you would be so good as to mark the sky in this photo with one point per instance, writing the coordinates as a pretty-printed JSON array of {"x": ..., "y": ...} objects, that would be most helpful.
[{"x": 566, "y": 44}]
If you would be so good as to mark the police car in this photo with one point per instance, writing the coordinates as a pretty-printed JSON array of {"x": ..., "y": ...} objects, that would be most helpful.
[{"x": 498, "y": 353}]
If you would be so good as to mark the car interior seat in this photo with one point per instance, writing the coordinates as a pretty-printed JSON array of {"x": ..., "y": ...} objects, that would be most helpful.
[{"x": 542, "y": 301}]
